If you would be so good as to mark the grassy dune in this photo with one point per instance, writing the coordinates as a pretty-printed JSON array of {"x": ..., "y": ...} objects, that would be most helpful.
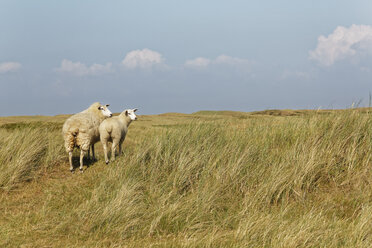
[{"x": 208, "y": 179}]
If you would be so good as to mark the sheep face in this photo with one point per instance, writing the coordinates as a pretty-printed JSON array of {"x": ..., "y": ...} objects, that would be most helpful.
[
  {"x": 105, "y": 111},
  {"x": 131, "y": 114}
]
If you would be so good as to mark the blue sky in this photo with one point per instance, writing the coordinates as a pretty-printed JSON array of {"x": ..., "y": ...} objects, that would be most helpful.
[{"x": 183, "y": 56}]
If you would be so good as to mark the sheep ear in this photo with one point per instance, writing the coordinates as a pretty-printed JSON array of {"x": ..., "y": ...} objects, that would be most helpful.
[
  {"x": 107, "y": 105},
  {"x": 100, "y": 108},
  {"x": 134, "y": 110},
  {"x": 126, "y": 112}
]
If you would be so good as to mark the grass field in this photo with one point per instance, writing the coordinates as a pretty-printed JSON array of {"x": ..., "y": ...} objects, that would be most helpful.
[{"x": 209, "y": 179}]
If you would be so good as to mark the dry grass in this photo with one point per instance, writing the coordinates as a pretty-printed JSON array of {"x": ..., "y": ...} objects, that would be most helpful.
[{"x": 209, "y": 179}]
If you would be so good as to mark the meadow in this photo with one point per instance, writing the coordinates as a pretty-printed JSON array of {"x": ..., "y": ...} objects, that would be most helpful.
[{"x": 276, "y": 178}]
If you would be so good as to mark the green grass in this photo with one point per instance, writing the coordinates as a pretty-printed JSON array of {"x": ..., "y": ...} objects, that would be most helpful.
[{"x": 209, "y": 179}]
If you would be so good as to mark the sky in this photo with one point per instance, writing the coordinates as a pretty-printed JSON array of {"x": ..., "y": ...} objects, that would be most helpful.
[{"x": 58, "y": 57}]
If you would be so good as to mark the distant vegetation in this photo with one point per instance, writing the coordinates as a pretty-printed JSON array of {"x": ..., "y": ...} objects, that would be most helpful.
[{"x": 209, "y": 179}]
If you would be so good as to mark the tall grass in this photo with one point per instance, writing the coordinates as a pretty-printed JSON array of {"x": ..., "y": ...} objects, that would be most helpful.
[
  {"x": 25, "y": 149},
  {"x": 302, "y": 181}
]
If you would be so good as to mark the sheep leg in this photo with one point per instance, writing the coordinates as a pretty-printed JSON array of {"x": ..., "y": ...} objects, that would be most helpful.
[
  {"x": 93, "y": 157},
  {"x": 113, "y": 149},
  {"x": 120, "y": 150},
  {"x": 82, "y": 153},
  {"x": 70, "y": 161},
  {"x": 105, "y": 151}
]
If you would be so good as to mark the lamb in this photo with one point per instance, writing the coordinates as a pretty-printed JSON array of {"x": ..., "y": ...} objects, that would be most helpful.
[
  {"x": 114, "y": 130},
  {"x": 81, "y": 130}
]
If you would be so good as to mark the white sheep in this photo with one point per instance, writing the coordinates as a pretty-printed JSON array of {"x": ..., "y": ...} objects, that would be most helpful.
[
  {"x": 114, "y": 130},
  {"x": 81, "y": 130}
]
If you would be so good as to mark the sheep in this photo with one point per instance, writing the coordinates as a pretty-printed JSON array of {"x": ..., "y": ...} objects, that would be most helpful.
[
  {"x": 114, "y": 130},
  {"x": 81, "y": 130}
]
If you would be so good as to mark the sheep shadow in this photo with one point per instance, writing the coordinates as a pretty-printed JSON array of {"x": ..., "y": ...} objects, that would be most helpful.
[{"x": 86, "y": 161}]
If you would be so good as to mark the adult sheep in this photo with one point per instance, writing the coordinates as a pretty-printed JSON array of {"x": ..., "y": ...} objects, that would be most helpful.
[
  {"x": 81, "y": 130},
  {"x": 114, "y": 130}
]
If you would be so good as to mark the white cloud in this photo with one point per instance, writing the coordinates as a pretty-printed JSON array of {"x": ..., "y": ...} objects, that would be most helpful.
[
  {"x": 81, "y": 69},
  {"x": 343, "y": 43},
  {"x": 198, "y": 62},
  {"x": 220, "y": 60},
  {"x": 145, "y": 58},
  {"x": 9, "y": 67},
  {"x": 365, "y": 69},
  {"x": 232, "y": 61},
  {"x": 288, "y": 74}
]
